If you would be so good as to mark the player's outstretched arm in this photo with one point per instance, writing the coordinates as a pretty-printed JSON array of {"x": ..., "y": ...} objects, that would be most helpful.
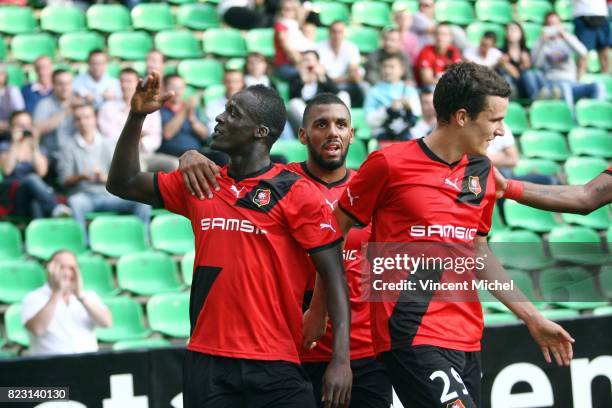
[
  {"x": 199, "y": 174},
  {"x": 344, "y": 221},
  {"x": 570, "y": 199},
  {"x": 338, "y": 377},
  {"x": 125, "y": 179}
]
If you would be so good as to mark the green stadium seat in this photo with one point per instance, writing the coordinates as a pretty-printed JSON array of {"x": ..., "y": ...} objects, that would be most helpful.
[
  {"x": 28, "y": 47},
  {"x": 522, "y": 281},
  {"x": 533, "y": 10},
  {"x": 129, "y": 45},
  {"x": 536, "y": 166},
  {"x": 564, "y": 9},
  {"x": 560, "y": 314},
  {"x": 15, "y": 331},
  {"x": 147, "y": 273},
  {"x": 172, "y": 233},
  {"x": 128, "y": 321},
  {"x": 77, "y": 46},
  {"x": 16, "y": 75},
  {"x": 19, "y": 277},
  {"x": 177, "y": 44},
  {"x": 458, "y": 12},
  {"x": 97, "y": 276},
  {"x": 159, "y": 211},
  {"x": 516, "y": 118},
  {"x": 494, "y": 11},
  {"x": 260, "y": 40},
  {"x": 212, "y": 93},
  {"x": 605, "y": 280},
  {"x": 544, "y": 144},
  {"x": 362, "y": 131},
  {"x": 115, "y": 236},
  {"x": 201, "y": 73},
  {"x": 293, "y": 150},
  {"x": 224, "y": 42},
  {"x": 602, "y": 311},
  {"x": 578, "y": 245},
  {"x": 551, "y": 115},
  {"x": 522, "y": 216},
  {"x": 410, "y": 5},
  {"x": 44, "y": 236},
  {"x": 366, "y": 38},
  {"x": 282, "y": 88},
  {"x": 371, "y": 13},
  {"x": 590, "y": 142},
  {"x": 62, "y": 19},
  {"x": 580, "y": 170},
  {"x": 179, "y": 2},
  {"x": 605, "y": 79},
  {"x": 609, "y": 238},
  {"x": 475, "y": 31},
  {"x": 594, "y": 113},
  {"x": 570, "y": 287},
  {"x": 499, "y": 319},
  {"x": 598, "y": 219},
  {"x": 108, "y": 18},
  {"x": 497, "y": 224},
  {"x": 356, "y": 155},
  {"x": 198, "y": 16},
  {"x": 519, "y": 249},
  {"x": 169, "y": 314},
  {"x": 152, "y": 17},
  {"x": 321, "y": 34},
  {"x": 10, "y": 241},
  {"x": 330, "y": 11},
  {"x": 140, "y": 344},
  {"x": 593, "y": 64},
  {"x": 7, "y": 353},
  {"x": 16, "y": 20},
  {"x": 533, "y": 31},
  {"x": 187, "y": 267},
  {"x": 3, "y": 50}
]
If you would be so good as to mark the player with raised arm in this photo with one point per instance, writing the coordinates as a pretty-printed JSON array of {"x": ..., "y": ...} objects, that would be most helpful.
[{"x": 251, "y": 264}]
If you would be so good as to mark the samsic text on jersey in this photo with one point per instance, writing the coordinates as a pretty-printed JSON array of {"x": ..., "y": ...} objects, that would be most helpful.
[
  {"x": 361, "y": 334},
  {"x": 412, "y": 195},
  {"x": 251, "y": 264}
]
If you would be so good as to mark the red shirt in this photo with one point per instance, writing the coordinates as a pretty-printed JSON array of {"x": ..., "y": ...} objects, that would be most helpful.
[
  {"x": 428, "y": 58},
  {"x": 361, "y": 334},
  {"x": 408, "y": 192},
  {"x": 280, "y": 58},
  {"x": 251, "y": 264}
]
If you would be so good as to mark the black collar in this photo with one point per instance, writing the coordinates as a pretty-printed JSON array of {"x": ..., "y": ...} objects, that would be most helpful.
[
  {"x": 318, "y": 180},
  {"x": 253, "y": 174},
  {"x": 432, "y": 155}
]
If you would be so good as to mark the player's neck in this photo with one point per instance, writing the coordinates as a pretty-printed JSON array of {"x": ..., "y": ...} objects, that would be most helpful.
[
  {"x": 445, "y": 145},
  {"x": 243, "y": 165},
  {"x": 328, "y": 176}
]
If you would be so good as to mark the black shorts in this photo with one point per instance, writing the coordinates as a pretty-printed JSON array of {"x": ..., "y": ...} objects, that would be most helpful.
[
  {"x": 371, "y": 386},
  {"x": 431, "y": 377},
  {"x": 214, "y": 381}
]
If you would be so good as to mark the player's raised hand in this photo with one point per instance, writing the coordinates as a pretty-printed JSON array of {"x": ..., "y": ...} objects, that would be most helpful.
[
  {"x": 552, "y": 339},
  {"x": 199, "y": 174},
  {"x": 337, "y": 384},
  {"x": 148, "y": 96}
]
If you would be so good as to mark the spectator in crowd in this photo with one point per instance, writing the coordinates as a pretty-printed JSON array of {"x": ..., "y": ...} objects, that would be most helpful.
[
  {"x": 34, "y": 92},
  {"x": 311, "y": 80},
  {"x": 256, "y": 71},
  {"x": 428, "y": 120},
  {"x": 391, "y": 45},
  {"x": 96, "y": 85},
  {"x": 10, "y": 100},
  {"x": 83, "y": 164},
  {"x": 341, "y": 60},
  {"x": 486, "y": 53},
  {"x": 245, "y": 14},
  {"x": 113, "y": 114},
  {"x": 391, "y": 106},
  {"x": 424, "y": 23},
  {"x": 60, "y": 316},
  {"x": 593, "y": 29},
  {"x": 515, "y": 65},
  {"x": 23, "y": 161},
  {"x": 409, "y": 40},
  {"x": 182, "y": 126},
  {"x": 433, "y": 60},
  {"x": 155, "y": 62},
  {"x": 53, "y": 114},
  {"x": 554, "y": 54},
  {"x": 233, "y": 81},
  {"x": 289, "y": 40}
]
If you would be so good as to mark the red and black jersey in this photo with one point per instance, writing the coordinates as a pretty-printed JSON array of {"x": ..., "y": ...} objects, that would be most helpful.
[
  {"x": 251, "y": 263},
  {"x": 608, "y": 170},
  {"x": 361, "y": 334},
  {"x": 411, "y": 195}
]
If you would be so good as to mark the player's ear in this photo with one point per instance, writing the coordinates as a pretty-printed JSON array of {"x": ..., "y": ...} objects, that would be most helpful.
[
  {"x": 302, "y": 135},
  {"x": 262, "y": 131},
  {"x": 461, "y": 117}
]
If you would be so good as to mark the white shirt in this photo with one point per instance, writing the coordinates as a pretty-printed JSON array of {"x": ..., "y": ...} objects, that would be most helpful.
[
  {"x": 337, "y": 65},
  {"x": 71, "y": 329},
  {"x": 501, "y": 143},
  {"x": 85, "y": 85},
  {"x": 490, "y": 60},
  {"x": 590, "y": 8}
]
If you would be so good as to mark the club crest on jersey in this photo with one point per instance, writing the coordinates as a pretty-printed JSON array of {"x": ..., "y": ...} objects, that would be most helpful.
[
  {"x": 474, "y": 185},
  {"x": 262, "y": 197},
  {"x": 456, "y": 404}
]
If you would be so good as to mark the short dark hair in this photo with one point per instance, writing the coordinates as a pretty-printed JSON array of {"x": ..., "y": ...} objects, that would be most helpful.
[
  {"x": 547, "y": 15},
  {"x": 522, "y": 41},
  {"x": 490, "y": 35},
  {"x": 393, "y": 56},
  {"x": 58, "y": 252},
  {"x": 313, "y": 52},
  {"x": 269, "y": 110},
  {"x": 94, "y": 52},
  {"x": 58, "y": 72},
  {"x": 466, "y": 85},
  {"x": 129, "y": 70},
  {"x": 16, "y": 113},
  {"x": 324, "y": 98},
  {"x": 169, "y": 77}
]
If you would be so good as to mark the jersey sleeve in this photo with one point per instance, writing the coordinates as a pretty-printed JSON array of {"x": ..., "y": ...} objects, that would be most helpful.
[
  {"x": 172, "y": 192},
  {"x": 366, "y": 190},
  {"x": 309, "y": 219}
]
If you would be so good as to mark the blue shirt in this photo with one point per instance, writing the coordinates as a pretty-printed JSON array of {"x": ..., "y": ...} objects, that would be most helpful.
[
  {"x": 185, "y": 139},
  {"x": 32, "y": 94}
]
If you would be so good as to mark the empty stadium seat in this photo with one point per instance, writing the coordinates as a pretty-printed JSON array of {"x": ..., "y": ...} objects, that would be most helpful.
[
  {"x": 129, "y": 45},
  {"x": 147, "y": 273},
  {"x": 538, "y": 166},
  {"x": 371, "y": 13},
  {"x": 581, "y": 170},
  {"x": 187, "y": 263},
  {"x": 28, "y": 47},
  {"x": 15, "y": 331},
  {"x": 198, "y": 16},
  {"x": 497, "y": 319},
  {"x": 411, "y": 6},
  {"x": 602, "y": 311},
  {"x": 366, "y": 38},
  {"x": 533, "y": 10},
  {"x": 108, "y": 18},
  {"x": 177, "y": 44},
  {"x": 519, "y": 249},
  {"x": 564, "y": 9},
  {"x": 356, "y": 155},
  {"x": 172, "y": 233},
  {"x": 590, "y": 142},
  {"x": 533, "y": 31},
  {"x": 169, "y": 314},
  {"x": 560, "y": 314},
  {"x": 44, "y": 236},
  {"x": 458, "y": 12},
  {"x": 605, "y": 79},
  {"x": 605, "y": 281},
  {"x": 152, "y": 17},
  {"x": 10, "y": 241},
  {"x": 225, "y": 42},
  {"x": 330, "y": 11},
  {"x": 516, "y": 118},
  {"x": 118, "y": 235},
  {"x": 293, "y": 150},
  {"x": 580, "y": 245},
  {"x": 201, "y": 73},
  {"x": 598, "y": 219},
  {"x": 570, "y": 287},
  {"x": 62, "y": 19},
  {"x": 16, "y": 75},
  {"x": 590, "y": 112},
  {"x": 19, "y": 277},
  {"x": 475, "y": 31},
  {"x": 212, "y": 93},
  {"x": 128, "y": 321},
  {"x": 260, "y": 40},
  {"x": 97, "y": 276},
  {"x": 544, "y": 144},
  {"x": 522, "y": 216},
  {"x": 16, "y": 20},
  {"x": 522, "y": 280},
  {"x": 77, "y": 46},
  {"x": 141, "y": 344},
  {"x": 552, "y": 115},
  {"x": 495, "y": 11}
]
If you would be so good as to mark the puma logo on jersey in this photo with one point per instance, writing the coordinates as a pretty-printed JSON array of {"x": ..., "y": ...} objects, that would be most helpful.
[
  {"x": 235, "y": 190},
  {"x": 350, "y": 196},
  {"x": 323, "y": 226},
  {"x": 452, "y": 184},
  {"x": 332, "y": 204}
]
